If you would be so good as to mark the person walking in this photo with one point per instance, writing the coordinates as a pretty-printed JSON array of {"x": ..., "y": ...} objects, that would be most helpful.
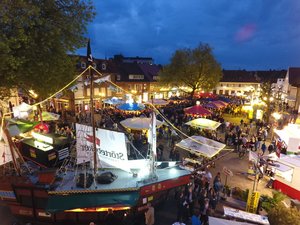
[
  {"x": 263, "y": 148},
  {"x": 149, "y": 215}
]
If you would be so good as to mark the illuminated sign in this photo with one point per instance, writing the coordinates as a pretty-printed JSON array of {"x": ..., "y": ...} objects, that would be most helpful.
[{"x": 43, "y": 138}]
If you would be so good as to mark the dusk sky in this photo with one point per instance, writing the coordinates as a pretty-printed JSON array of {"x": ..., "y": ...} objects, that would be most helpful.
[{"x": 244, "y": 34}]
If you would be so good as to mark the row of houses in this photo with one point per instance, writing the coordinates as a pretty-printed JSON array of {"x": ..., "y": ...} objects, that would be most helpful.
[{"x": 138, "y": 77}]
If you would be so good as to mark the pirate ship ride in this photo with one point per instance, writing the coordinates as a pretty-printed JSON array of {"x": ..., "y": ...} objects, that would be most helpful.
[{"x": 96, "y": 176}]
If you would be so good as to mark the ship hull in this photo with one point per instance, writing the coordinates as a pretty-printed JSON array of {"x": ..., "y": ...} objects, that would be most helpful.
[{"x": 34, "y": 204}]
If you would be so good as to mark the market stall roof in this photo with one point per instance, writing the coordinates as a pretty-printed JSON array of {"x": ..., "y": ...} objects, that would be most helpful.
[
  {"x": 292, "y": 130},
  {"x": 197, "y": 110},
  {"x": 58, "y": 203},
  {"x": 246, "y": 216},
  {"x": 139, "y": 123},
  {"x": 204, "y": 124},
  {"x": 292, "y": 160},
  {"x": 201, "y": 145},
  {"x": 158, "y": 102},
  {"x": 16, "y": 127},
  {"x": 211, "y": 105},
  {"x": 48, "y": 116},
  {"x": 218, "y": 221},
  {"x": 131, "y": 106},
  {"x": 221, "y": 102}
]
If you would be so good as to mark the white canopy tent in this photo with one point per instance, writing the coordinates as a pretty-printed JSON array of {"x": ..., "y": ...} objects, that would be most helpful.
[
  {"x": 22, "y": 111},
  {"x": 243, "y": 215},
  {"x": 204, "y": 124},
  {"x": 290, "y": 136},
  {"x": 158, "y": 102},
  {"x": 218, "y": 221},
  {"x": 139, "y": 123},
  {"x": 201, "y": 146}
]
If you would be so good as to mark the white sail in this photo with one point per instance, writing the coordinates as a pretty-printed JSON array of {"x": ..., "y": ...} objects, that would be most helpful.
[
  {"x": 111, "y": 149},
  {"x": 84, "y": 143},
  {"x": 5, "y": 152}
]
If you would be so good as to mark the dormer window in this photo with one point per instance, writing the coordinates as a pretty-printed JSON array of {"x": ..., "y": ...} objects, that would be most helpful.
[
  {"x": 94, "y": 65},
  {"x": 103, "y": 66},
  {"x": 83, "y": 65}
]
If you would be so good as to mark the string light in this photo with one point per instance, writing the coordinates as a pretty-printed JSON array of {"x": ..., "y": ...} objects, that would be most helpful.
[{"x": 156, "y": 110}]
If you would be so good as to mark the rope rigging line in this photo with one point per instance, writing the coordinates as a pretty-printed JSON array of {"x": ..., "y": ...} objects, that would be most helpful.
[{"x": 156, "y": 110}]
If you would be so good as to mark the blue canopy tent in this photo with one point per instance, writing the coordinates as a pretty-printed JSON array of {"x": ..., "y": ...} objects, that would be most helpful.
[{"x": 131, "y": 106}]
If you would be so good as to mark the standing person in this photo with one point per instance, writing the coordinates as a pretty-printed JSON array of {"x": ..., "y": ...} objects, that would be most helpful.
[
  {"x": 263, "y": 148},
  {"x": 110, "y": 218},
  {"x": 181, "y": 208},
  {"x": 195, "y": 219},
  {"x": 204, "y": 211},
  {"x": 149, "y": 215}
]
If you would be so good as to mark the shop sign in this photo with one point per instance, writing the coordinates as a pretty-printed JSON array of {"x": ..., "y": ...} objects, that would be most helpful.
[
  {"x": 32, "y": 153},
  {"x": 252, "y": 202},
  {"x": 51, "y": 156},
  {"x": 227, "y": 171}
]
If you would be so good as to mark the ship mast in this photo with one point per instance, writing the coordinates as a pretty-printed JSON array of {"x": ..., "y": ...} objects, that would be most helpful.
[
  {"x": 90, "y": 61},
  {"x": 152, "y": 145}
]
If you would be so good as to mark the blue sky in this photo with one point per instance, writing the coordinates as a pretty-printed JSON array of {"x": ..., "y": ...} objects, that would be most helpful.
[{"x": 244, "y": 34}]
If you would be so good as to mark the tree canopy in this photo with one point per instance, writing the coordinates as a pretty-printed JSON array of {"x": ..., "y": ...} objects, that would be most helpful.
[
  {"x": 35, "y": 40},
  {"x": 194, "y": 68},
  {"x": 266, "y": 97},
  {"x": 280, "y": 215}
]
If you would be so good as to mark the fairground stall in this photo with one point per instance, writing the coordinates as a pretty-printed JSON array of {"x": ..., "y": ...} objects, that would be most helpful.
[
  {"x": 289, "y": 137},
  {"x": 202, "y": 149},
  {"x": 287, "y": 178},
  {"x": 45, "y": 149}
]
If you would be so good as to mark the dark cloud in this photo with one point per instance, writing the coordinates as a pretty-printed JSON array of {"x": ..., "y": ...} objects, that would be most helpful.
[{"x": 250, "y": 34}]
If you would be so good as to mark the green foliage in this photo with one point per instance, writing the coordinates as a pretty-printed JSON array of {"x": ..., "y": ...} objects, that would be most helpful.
[
  {"x": 240, "y": 194},
  {"x": 280, "y": 215},
  {"x": 270, "y": 202},
  {"x": 35, "y": 38},
  {"x": 194, "y": 68},
  {"x": 266, "y": 94}
]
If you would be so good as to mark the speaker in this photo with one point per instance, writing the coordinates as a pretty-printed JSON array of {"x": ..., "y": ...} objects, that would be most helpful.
[
  {"x": 84, "y": 183},
  {"x": 106, "y": 178}
]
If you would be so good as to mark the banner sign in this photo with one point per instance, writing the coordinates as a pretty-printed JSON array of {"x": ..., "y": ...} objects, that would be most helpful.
[
  {"x": 252, "y": 202},
  {"x": 110, "y": 145}
]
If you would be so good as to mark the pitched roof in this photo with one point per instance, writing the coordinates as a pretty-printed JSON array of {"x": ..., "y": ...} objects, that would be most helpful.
[
  {"x": 294, "y": 76},
  {"x": 239, "y": 76},
  {"x": 271, "y": 75},
  {"x": 150, "y": 70},
  {"x": 253, "y": 76}
]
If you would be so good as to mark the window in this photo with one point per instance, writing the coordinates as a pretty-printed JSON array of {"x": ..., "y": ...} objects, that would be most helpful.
[
  {"x": 103, "y": 66},
  {"x": 118, "y": 77},
  {"x": 83, "y": 65},
  {"x": 136, "y": 77},
  {"x": 240, "y": 85},
  {"x": 155, "y": 77},
  {"x": 94, "y": 65}
]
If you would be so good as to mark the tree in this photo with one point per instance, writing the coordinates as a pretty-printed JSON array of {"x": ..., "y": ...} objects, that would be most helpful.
[
  {"x": 266, "y": 96},
  {"x": 194, "y": 68},
  {"x": 281, "y": 215},
  {"x": 35, "y": 40}
]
